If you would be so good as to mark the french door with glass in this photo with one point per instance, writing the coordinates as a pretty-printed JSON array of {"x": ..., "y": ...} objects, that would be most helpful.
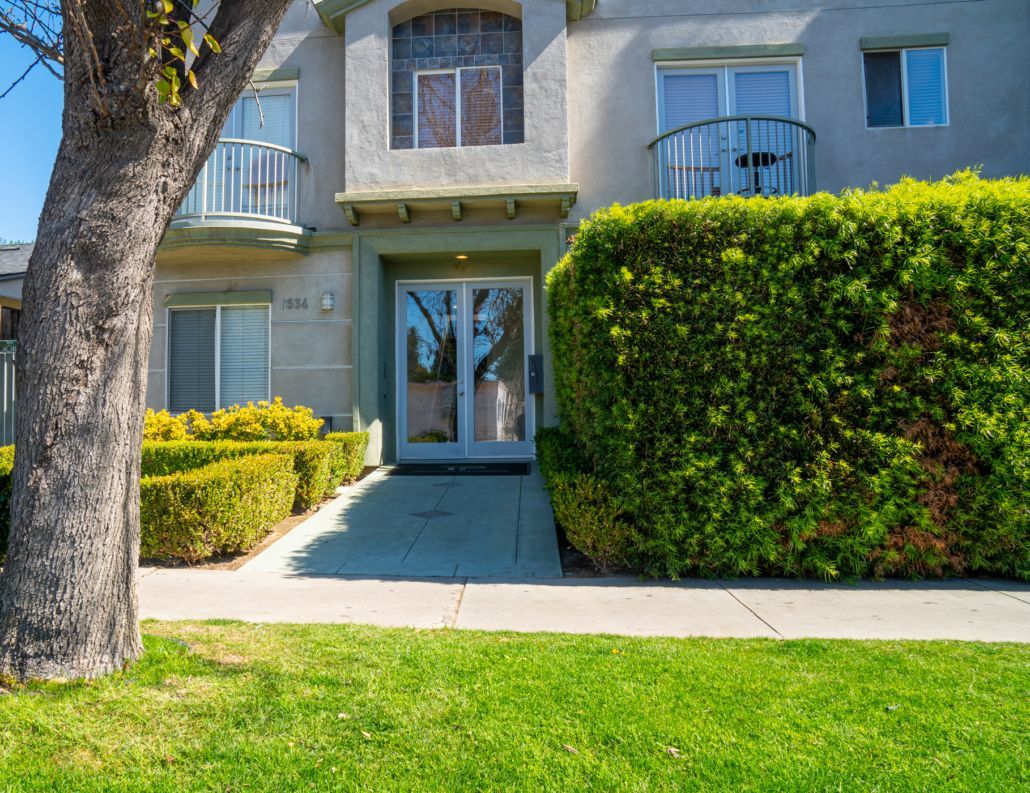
[
  {"x": 251, "y": 171},
  {"x": 462, "y": 369},
  {"x": 730, "y": 153}
]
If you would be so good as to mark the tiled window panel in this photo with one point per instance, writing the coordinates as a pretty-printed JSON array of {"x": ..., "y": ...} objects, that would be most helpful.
[{"x": 452, "y": 39}]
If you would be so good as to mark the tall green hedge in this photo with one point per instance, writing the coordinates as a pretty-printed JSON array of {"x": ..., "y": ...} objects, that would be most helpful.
[{"x": 823, "y": 386}]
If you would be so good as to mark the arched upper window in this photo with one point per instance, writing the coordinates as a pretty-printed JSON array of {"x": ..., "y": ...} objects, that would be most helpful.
[{"x": 456, "y": 80}]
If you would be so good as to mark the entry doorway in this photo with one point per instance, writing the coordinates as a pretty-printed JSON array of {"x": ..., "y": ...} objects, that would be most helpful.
[{"x": 462, "y": 369}]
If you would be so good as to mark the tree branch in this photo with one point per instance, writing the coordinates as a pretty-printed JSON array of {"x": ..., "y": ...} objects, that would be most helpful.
[
  {"x": 49, "y": 45},
  {"x": 24, "y": 74}
]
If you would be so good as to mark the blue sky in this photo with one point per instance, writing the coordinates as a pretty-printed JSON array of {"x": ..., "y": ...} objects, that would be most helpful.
[{"x": 30, "y": 130}]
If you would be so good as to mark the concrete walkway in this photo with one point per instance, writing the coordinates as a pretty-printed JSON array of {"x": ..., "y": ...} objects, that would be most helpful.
[
  {"x": 983, "y": 610},
  {"x": 421, "y": 526}
]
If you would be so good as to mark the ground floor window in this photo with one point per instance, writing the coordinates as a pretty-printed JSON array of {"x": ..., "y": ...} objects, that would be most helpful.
[{"x": 217, "y": 356}]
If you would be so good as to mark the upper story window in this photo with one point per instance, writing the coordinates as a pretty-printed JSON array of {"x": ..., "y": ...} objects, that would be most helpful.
[
  {"x": 731, "y": 128},
  {"x": 267, "y": 116},
  {"x": 457, "y": 80},
  {"x": 906, "y": 88},
  {"x": 690, "y": 94}
]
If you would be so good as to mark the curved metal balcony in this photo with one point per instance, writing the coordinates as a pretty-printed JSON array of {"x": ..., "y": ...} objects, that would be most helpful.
[
  {"x": 735, "y": 155},
  {"x": 245, "y": 179}
]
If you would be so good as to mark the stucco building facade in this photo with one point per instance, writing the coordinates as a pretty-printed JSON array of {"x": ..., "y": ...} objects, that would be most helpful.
[{"x": 371, "y": 238}]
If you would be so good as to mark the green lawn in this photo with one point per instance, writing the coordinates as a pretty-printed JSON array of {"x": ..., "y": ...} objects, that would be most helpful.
[{"x": 228, "y": 706}]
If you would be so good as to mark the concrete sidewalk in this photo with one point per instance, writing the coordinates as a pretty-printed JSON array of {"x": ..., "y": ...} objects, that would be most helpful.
[
  {"x": 418, "y": 526},
  {"x": 964, "y": 609}
]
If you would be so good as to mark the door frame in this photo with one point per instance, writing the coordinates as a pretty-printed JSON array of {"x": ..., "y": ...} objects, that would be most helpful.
[{"x": 466, "y": 447}]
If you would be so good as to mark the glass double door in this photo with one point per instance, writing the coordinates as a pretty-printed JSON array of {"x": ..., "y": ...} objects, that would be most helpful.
[
  {"x": 462, "y": 364},
  {"x": 749, "y": 158}
]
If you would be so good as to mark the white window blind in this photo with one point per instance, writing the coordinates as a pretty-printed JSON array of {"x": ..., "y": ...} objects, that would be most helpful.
[
  {"x": 217, "y": 357},
  {"x": 924, "y": 71},
  {"x": 278, "y": 118},
  {"x": 243, "y": 371},
  {"x": 762, "y": 93},
  {"x": 688, "y": 98},
  {"x": 191, "y": 360}
]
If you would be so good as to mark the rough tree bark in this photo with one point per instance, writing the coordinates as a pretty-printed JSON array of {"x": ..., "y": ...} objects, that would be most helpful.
[{"x": 68, "y": 600}]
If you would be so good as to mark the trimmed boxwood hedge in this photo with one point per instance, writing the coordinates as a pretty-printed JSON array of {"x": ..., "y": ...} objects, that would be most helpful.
[
  {"x": 822, "y": 386},
  {"x": 223, "y": 507},
  {"x": 316, "y": 469},
  {"x": 351, "y": 457},
  {"x": 321, "y": 466}
]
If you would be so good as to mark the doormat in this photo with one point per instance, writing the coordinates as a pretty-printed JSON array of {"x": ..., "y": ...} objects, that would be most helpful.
[{"x": 460, "y": 469}]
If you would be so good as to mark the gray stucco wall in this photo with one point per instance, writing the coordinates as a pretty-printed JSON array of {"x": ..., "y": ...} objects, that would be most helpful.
[
  {"x": 613, "y": 109},
  {"x": 543, "y": 158},
  {"x": 310, "y": 348}
]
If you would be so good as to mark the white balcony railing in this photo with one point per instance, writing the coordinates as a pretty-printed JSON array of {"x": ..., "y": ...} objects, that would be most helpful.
[
  {"x": 735, "y": 155},
  {"x": 245, "y": 179}
]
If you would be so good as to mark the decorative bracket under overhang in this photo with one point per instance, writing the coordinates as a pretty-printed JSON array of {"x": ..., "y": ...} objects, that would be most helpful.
[{"x": 403, "y": 205}]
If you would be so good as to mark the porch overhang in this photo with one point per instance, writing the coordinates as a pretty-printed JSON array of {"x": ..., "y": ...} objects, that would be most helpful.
[{"x": 402, "y": 204}]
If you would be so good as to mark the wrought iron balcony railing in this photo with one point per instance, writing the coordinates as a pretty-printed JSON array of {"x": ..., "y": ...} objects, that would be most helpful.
[
  {"x": 245, "y": 179},
  {"x": 735, "y": 155}
]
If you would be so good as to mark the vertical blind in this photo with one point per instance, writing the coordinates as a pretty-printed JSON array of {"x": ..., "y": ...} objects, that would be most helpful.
[
  {"x": 242, "y": 363},
  {"x": 243, "y": 373},
  {"x": 191, "y": 360},
  {"x": 924, "y": 71}
]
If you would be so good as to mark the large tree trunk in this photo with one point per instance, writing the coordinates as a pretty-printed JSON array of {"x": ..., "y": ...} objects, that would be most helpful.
[
  {"x": 68, "y": 601},
  {"x": 69, "y": 594}
]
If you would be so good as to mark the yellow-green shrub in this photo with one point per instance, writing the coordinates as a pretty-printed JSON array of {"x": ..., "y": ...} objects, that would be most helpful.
[
  {"x": 251, "y": 422},
  {"x": 163, "y": 426},
  {"x": 261, "y": 421},
  {"x": 224, "y": 507},
  {"x": 822, "y": 386}
]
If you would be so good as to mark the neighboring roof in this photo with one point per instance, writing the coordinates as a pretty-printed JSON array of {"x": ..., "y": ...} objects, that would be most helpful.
[
  {"x": 14, "y": 260},
  {"x": 333, "y": 12}
]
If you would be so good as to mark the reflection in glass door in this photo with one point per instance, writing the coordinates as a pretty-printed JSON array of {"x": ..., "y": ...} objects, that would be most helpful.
[
  {"x": 431, "y": 382},
  {"x": 498, "y": 365},
  {"x": 462, "y": 365}
]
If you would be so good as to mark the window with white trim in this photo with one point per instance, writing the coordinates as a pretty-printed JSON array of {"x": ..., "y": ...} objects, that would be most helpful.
[
  {"x": 689, "y": 94},
  {"x": 458, "y": 107},
  {"x": 217, "y": 356},
  {"x": 906, "y": 87},
  {"x": 268, "y": 115}
]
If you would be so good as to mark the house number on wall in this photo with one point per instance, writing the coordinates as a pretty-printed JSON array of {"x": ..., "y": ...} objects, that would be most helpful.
[{"x": 294, "y": 303}]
